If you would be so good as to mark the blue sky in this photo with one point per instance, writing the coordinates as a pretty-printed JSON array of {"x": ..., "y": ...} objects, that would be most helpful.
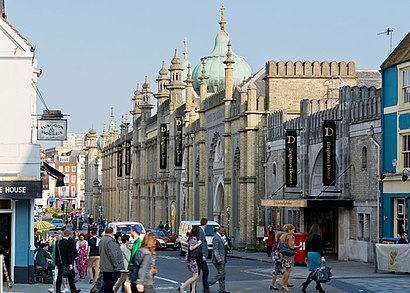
[{"x": 93, "y": 53}]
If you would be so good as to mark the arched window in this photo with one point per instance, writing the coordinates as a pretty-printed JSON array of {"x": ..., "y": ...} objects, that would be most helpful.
[{"x": 364, "y": 158}]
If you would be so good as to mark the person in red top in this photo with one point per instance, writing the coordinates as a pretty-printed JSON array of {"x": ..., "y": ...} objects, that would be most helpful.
[{"x": 269, "y": 238}]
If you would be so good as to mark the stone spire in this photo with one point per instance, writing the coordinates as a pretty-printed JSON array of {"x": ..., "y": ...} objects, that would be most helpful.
[
  {"x": 146, "y": 105},
  {"x": 189, "y": 94},
  {"x": 176, "y": 85},
  {"x": 136, "y": 111},
  {"x": 163, "y": 81},
  {"x": 185, "y": 49},
  {"x": 222, "y": 23},
  {"x": 229, "y": 83},
  {"x": 203, "y": 87}
]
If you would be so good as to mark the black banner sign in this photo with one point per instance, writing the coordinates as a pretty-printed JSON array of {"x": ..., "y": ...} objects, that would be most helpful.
[
  {"x": 119, "y": 162},
  {"x": 20, "y": 189},
  {"x": 178, "y": 141},
  {"x": 329, "y": 153},
  {"x": 163, "y": 146},
  {"x": 291, "y": 159},
  {"x": 127, "y": 158}
]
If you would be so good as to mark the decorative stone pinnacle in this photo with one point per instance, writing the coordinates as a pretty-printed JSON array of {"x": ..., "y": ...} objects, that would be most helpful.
[
  {"x": 185, "y": 49},
  {"x": 222, "y": 22},
  {"x": 189, "y": 71}
]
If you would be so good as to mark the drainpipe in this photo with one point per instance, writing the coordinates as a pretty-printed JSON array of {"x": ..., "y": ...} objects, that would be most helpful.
[{"x": 371, "y": 134}]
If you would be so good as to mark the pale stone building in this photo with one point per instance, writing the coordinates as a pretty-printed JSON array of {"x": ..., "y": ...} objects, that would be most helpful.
[
  {"x": 218, "y": 169},
  {"x": 348, "y": 211}
]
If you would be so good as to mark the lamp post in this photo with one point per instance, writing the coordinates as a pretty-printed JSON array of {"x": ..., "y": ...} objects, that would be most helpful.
[{"x": 228, "y": 210}]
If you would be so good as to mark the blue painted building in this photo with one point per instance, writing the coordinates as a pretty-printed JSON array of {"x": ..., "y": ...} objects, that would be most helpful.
[{"x": 395, "y": 193}]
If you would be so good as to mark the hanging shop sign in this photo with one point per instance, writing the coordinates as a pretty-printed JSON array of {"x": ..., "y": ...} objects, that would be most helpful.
[
  {"x": 291, "y": 158},
  {"x": 20, "y": 189},
  {"x": 329, "y": 153},
  {"x": 52, "y": 129},
  {"x": 119, "y": 162},
  {"x": 163, "y": 148},
  {"x": 178, "y": 141},
  {"x": 127, "y": 158}
]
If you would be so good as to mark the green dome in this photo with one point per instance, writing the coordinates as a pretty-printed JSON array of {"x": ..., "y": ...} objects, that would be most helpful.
[{"x": 215, "y": 68}]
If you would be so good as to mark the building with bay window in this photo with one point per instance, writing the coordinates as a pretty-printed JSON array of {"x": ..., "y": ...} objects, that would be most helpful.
[{"x": 396, "y": 140}]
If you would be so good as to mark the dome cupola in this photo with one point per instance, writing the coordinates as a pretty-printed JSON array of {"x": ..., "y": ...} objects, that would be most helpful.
[{"x": 214, "y": 65}]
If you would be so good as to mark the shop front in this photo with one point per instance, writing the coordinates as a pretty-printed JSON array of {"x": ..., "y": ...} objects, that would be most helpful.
[
  {"x": 321, "y": 211},
  {"x": 16, "y": 227}
]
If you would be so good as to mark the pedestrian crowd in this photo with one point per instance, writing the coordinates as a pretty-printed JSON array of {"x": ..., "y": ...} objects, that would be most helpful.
[{"x": 120, "y": 263}]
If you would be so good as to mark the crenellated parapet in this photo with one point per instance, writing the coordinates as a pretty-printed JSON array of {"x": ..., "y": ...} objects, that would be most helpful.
[
  {"x": 356, "y": 104},
  {"x": 307, "y": 68}
]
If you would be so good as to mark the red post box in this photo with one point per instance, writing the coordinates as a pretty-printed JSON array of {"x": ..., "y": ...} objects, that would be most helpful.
[{"x": 300, "y": 255}]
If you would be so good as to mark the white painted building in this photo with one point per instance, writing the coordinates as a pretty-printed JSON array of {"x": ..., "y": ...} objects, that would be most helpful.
[{"x": 19, "y": 151}]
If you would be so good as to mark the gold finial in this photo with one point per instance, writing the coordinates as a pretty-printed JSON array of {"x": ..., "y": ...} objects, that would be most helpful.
[{"x": 222, "y": 22}]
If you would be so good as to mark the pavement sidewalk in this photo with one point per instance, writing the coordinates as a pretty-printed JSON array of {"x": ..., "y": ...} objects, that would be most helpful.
[{"x": 340, "y": 269}]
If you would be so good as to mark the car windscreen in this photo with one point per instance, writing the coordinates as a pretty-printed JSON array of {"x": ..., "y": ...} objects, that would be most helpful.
[
  {"x": 126, "y": 228},
  {"x": 57, "y": 221}
]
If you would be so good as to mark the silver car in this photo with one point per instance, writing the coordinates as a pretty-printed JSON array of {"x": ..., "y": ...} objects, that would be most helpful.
[{"x": 59, "y": 224}]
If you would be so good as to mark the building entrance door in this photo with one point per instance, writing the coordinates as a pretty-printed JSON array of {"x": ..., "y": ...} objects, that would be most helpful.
[
  {"x": 5, "y": 238},
  {"x": 327, "y": 220}
]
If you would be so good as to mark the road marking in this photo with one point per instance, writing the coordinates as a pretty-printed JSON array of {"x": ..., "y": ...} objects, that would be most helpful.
[
  {"x": 167, "y": 257},
  {"x": 168, "y": 280},
  {"x": 255, "y": 273}
]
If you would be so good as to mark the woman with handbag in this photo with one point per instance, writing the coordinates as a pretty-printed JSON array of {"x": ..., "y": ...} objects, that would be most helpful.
[
  {"x": 287, "y": 249},
  {"x": 314, "y": 255},
  {"x": 194, "y": 253}
]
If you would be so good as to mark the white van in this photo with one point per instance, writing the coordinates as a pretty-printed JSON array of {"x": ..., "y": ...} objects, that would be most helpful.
[
  {"x": 186, "y": 226},
  {"x": 125, "y": 227}
]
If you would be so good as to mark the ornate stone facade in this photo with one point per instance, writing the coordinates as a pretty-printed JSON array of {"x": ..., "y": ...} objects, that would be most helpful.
[{"x": 223, "y": 173}]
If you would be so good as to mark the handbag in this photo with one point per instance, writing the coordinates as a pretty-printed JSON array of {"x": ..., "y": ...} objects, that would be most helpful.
[
  {"x": 65, "y": 271},
  {"x": 195, "y": 254},
  {"x": 322, "y": 274},
  {"x": 285, "y": 250}
]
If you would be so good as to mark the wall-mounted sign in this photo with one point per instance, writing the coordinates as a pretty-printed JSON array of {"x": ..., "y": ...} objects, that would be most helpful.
[
  {"x": 20, "y": 189},
  {"x": 163, "y": 146},
  {"x": 178, "y": 141},
  {"x": 329, "y": 153},
  {"x": 127, "y": 158},
  {"x": 291, "y": 158},
  {"x": 51, "y": 129},
  {"x": 301, "y": 203}
]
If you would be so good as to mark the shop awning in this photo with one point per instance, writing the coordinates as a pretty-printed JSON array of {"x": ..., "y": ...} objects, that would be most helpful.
[{"x": 310, "y": 202}]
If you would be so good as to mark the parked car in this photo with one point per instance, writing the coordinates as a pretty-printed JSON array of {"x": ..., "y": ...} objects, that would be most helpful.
[
  {"x": 164, "y": 241},
  {"x": 58, "y": 223},
  {"x": 125, "y": 227},
  {"x": 183, "y": 233}
]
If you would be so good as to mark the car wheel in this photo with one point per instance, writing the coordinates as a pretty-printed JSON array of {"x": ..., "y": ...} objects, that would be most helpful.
[{"x": 180, "y": 250}]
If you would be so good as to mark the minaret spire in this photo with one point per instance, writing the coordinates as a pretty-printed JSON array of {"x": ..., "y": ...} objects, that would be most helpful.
[
  {"x": 185, "y": 49},
  {"x": 222, "y": 22}
]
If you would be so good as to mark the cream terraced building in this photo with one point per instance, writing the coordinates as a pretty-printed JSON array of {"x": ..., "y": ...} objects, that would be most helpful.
[{"x": 224, "y": 108}]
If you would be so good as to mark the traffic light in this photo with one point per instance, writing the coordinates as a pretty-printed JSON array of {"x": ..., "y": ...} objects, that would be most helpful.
[{"x": 62, "y": 206}]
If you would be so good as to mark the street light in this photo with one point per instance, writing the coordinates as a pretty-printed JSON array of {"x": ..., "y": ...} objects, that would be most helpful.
[{"x": 228, "y": 209}]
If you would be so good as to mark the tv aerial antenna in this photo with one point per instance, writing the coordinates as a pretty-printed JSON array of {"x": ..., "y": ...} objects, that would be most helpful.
[{"x": 388, "y": 32}]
